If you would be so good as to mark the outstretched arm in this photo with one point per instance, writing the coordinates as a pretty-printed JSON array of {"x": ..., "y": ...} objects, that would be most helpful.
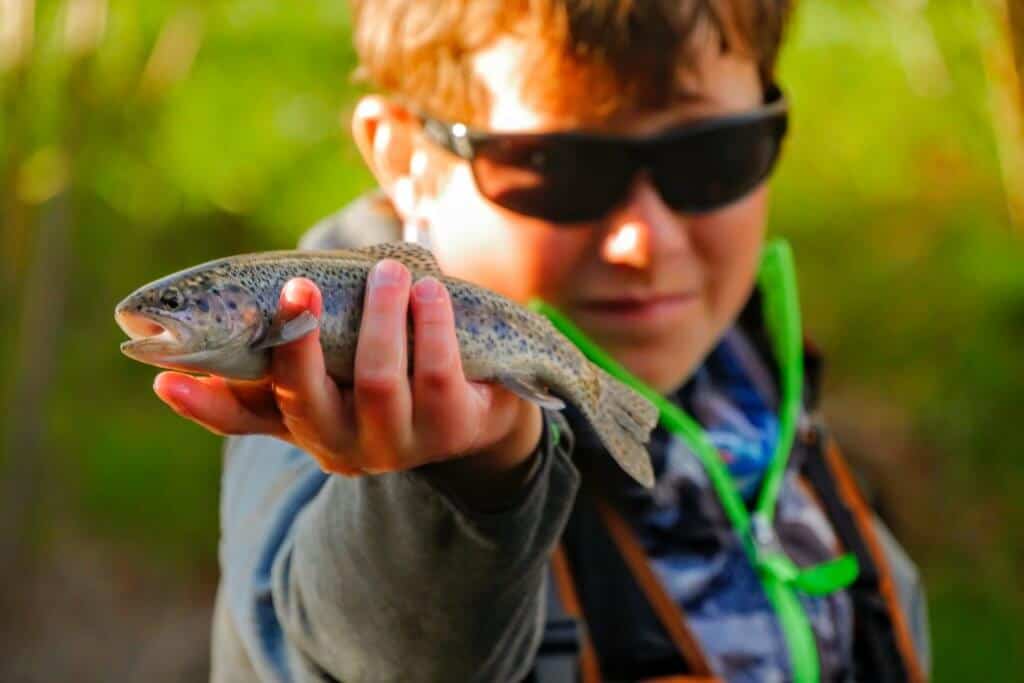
[{"x": 429, "y": 569}]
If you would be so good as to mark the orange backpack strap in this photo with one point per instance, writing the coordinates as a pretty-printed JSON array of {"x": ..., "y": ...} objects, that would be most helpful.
[
  {"x": 851, "y": 494},
  {"x": 883, "y": 633},
  {"x": 664, "y": 606},
  {"x": 590, "y": 669}
]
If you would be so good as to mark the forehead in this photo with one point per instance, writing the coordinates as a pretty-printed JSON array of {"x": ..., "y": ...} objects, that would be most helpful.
[{"x": 715, "y": 83}]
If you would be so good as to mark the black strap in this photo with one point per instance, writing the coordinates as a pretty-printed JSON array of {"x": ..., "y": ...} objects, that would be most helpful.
[{"x": 566, "y": 653}]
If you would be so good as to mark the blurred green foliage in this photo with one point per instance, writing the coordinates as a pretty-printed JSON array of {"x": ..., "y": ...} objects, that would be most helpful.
[{"x": 197, "y": 130}]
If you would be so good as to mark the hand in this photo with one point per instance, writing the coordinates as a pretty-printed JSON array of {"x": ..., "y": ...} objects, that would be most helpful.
[{"x": 388, "y": 421}]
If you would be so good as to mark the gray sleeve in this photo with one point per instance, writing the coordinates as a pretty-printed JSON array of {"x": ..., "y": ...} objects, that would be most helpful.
[
  {"x": 368, "y": 220},
  {"x": 910, "y": 591},
  {"x": 387, "y": 579},
  {"x": 384, "y": 578}
]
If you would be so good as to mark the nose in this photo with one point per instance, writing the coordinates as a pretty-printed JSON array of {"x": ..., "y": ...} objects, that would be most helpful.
[{"x": 641, "y": 227}]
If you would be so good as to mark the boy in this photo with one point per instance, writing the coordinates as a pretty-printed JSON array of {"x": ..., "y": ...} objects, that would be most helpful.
[{"x": 609, "y": 158}]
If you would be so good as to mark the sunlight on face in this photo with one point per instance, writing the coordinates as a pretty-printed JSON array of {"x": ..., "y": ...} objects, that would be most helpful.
[
  {"x": 654, "y": 287},
  {"x": 623, "y": 245}
]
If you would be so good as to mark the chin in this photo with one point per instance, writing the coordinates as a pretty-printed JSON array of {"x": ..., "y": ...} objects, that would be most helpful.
[{"x": 662, "y": 367}]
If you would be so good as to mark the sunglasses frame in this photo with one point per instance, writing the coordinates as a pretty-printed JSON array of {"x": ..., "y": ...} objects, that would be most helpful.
[{"x": 465, "y": 142}]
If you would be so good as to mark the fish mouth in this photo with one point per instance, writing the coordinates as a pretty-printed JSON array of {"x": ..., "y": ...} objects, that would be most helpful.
[{"x": 153, "y": 337}]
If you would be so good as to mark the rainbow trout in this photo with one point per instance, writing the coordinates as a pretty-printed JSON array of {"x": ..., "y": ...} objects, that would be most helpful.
[{"x": 220, "y": 318}]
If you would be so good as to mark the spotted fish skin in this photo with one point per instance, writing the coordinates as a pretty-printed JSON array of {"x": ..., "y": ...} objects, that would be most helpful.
[{"x": 219, "y": 318}]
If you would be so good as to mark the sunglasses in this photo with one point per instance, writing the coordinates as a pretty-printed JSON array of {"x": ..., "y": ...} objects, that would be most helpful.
[{"x": 574, "y": 177}]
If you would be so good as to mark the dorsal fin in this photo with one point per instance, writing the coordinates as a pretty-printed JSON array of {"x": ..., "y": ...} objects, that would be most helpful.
[{"x": 415, "y": 257}]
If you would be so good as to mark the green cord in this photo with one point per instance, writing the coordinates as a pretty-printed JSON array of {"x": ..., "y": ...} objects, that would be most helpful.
[
  {"x": 777, "y": 278},
  {"x": 780, "y": 577}
]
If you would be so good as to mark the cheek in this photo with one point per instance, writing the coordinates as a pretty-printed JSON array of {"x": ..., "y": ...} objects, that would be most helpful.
[
  {"x": 729, "y": 242},
  {"x": 553, "y": 258},
  {"x": 514, "y": 255}
]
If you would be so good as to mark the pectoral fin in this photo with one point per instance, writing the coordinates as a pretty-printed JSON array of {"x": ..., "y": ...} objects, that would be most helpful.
[
  {"x": 282, "y": 333},
  {"x": 526, "y": 388}
]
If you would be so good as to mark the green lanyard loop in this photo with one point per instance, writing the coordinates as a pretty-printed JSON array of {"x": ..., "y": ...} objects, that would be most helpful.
[{"x": 780, "y": 577}]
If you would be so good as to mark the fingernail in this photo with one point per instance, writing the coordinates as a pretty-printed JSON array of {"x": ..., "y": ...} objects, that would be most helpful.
[
  {"x": 428, "y": 290},
  {"x": 387, "y": 272},
  {"x": 163, "y": 380},
  {"x": 293, "y": 294}
]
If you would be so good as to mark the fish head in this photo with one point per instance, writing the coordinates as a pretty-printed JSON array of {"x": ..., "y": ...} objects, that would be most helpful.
[{"x": 195, "y": 321}]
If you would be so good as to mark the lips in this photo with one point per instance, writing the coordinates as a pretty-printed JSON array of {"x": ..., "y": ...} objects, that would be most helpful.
[
  {"x": 625, "y": 304},
  {"x": 639, "y": 312},
  {"x": 635, "y": 303}
]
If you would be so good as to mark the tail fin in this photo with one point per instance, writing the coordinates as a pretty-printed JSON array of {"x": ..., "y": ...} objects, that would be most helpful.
[{"x": 624, "y": 420}]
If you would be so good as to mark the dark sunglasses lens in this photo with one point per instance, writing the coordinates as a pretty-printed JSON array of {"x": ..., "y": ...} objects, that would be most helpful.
[
  {"x": 714, "y": 168},
  {"x": 564, "y": 181}
]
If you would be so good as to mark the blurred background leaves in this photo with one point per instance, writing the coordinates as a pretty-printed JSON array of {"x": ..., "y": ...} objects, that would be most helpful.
[{"x": 139, "y": 137}]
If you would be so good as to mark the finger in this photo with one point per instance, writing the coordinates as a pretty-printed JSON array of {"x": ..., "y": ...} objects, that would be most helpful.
[
  {"x": 503, "y": 408},
  {"x": 383, "y": 401},
  {"x": 310, "y": 402},
  {"x": 257, "y": 397},
  {"x": 442, "y": 398},
  {"x": 210, "y": 402}
]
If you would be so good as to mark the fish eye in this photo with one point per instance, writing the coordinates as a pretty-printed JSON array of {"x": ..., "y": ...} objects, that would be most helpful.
[{"x": 171, "y": 298}]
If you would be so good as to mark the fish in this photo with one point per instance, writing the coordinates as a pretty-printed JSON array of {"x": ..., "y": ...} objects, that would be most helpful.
[{"x": 219, "y": 318}]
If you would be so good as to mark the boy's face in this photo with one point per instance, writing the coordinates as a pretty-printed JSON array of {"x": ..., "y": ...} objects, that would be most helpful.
[{"x": 654, "y": 287}]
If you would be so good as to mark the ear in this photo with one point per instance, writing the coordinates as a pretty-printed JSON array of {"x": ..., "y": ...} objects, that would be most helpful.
[{"x": 385, "y": 134}]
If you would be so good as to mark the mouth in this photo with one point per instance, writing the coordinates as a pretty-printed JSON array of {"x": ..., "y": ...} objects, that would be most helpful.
[
  {"x": 626, "y": 304},
  {"x": 648, "y": 309},
  {"x": 151, "y": 338}
]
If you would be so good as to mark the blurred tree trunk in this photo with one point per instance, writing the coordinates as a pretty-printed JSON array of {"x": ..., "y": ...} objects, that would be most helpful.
[
  {"x": 1015, "y": 21},
  {"x": 1016, "y": 12},
  {"x": 18, "y": 481},
  {"x": 35, "y": 361},
  {"x": 14, "y": 215},
  {"x": 1004, "y": 71},
  {"x": 39, "y": 191}
]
